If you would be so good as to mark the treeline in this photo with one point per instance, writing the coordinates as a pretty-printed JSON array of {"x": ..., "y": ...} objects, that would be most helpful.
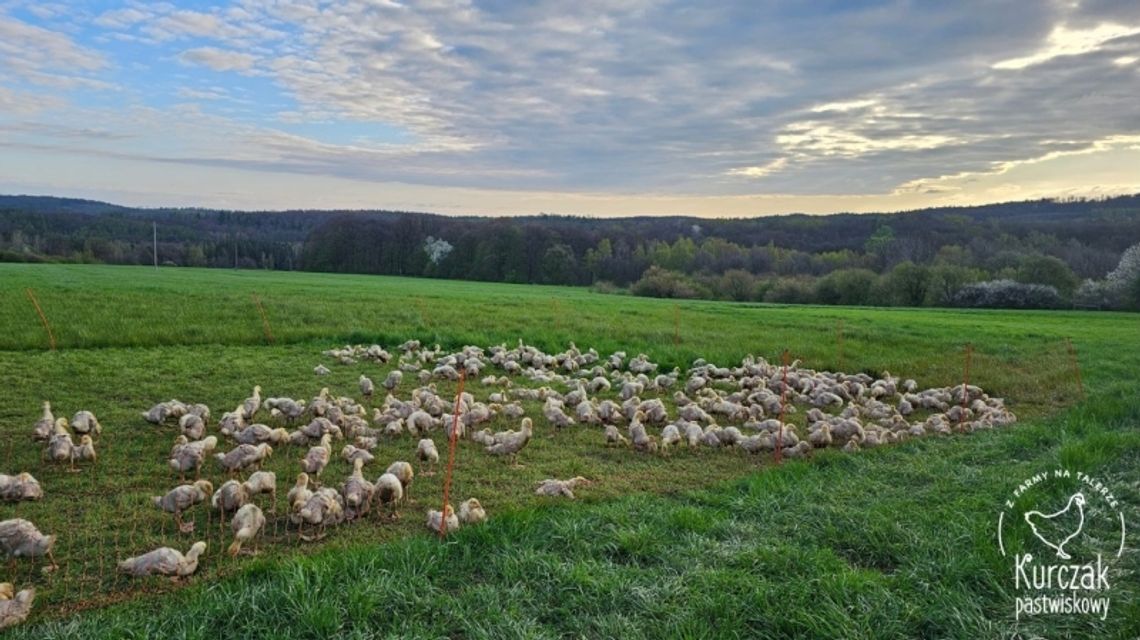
[{"x": 1031, "y": 254}]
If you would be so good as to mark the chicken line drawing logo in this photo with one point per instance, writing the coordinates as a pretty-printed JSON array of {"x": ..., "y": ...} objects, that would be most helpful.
[
  {"x": 1039, "y": 521},
  {"x": 1063, "y": 548}
]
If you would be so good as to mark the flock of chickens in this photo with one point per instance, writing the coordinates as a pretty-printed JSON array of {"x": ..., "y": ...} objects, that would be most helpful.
[{"x": 713, "y": 407}]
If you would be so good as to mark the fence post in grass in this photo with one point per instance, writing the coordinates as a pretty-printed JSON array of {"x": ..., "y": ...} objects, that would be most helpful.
[
  {"x": 783, "y": 401},
  {"x": 676, "y": 325},
  {"x": 264, "y": 319},
  {"x": 47, "y": 327},
  {"x": 451, "y": 442},
  {"x": 965, "y": 383},
  {"x": 839, "y": 345},
  {"x": 1076, "y": 367}
]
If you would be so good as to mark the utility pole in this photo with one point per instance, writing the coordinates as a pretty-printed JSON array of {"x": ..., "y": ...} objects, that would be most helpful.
[{"x": 155, "y": 223}]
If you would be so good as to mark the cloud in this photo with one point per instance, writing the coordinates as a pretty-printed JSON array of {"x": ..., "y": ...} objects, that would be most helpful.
[
  {"x": 217, "y": 59},
  {"x": 759, "y": 172},
  {"x": 1063, "y": 41}
]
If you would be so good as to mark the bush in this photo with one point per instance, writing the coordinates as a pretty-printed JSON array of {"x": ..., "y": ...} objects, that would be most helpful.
[
  {"x": 605, "y": 286},
  {"x": 790, "y": 291},
  {"x": 1120, "y": 289},
  {"x": 1007, "y": 294},
  {"x": 846, "y": 286},
  {"x": 663, "y": 283},
  {"x": 1047, "y": 270}
]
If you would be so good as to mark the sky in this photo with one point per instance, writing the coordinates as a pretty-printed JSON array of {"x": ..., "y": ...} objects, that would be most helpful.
[{"x": 590, "y": 107}]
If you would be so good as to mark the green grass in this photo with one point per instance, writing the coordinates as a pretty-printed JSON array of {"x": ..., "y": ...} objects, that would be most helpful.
[{"x": 893, "y": 543}]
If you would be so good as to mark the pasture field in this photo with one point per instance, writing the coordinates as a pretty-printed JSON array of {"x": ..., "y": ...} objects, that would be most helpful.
[{"x": 896, "y": 542}]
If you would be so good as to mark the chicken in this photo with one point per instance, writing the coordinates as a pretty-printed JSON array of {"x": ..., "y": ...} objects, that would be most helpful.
[
  {"x": 85, "y": 452},
  {"x": 251, "y": 404},
  {"x": 192, "y": 426},
  {"x": 325, "y": 507},
  {"x": 247, "y": 522},
  {"x": 45, "y": 426},
  {"x": 190, "y": 455},
  {"x": 157, "y": 414},
  {"x": 181, "y": 498},
  {"x": 261, "y": 482},
  {"x": 821, "y": 437},
  {"x": 14, "y": 610},
  {"x": 164, "y": 561},
  {"x": 426, "y": 452},
  {"x": 614, "y": 436},
  {"x": 388, "y": 490},
  {"x": 471, "y": 512},
  {"x": 352, "y": 453},
  {"x": 1058, "y": 528},
  {"x": 258, "y": 433},
  {"x": 670, "y": 436},
  {"x": 552, "y": 411},
  {"x": 230, "y": 497},
  {"x": 357, "y": 492},
  {"x": 512, "y": 443},
  {"x": 318, "y": 457},
  {"x": 551, "y": 487},
  {"x": 298, "y": 496},
  {"x": 393, "y": 380},
  {"x": 20, "y": 538},
  {"x": 366, "y": 386},
  {"x": 243, "y": 457},
  {"x": 404, "y": 472},
  {"x": 84, "y": 422},
  {"x": 445, "y": 521},
  {"x": 19, "y": 487},
  {"x": 60, "y": 448}
]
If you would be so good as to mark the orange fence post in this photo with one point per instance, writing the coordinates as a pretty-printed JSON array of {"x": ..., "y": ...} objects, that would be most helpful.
[
  {"x": 454, "y": 437},
  {"x": 783, "y": 401},
  {"x": 676, "y": 325},
  {"x": 966, "y": 381},
  {"x": 1076, "y": 367},
  {"x": 264, "y": 319},
  {"x": 47, "y": 327},
  {"x": 839, "y": 345}
]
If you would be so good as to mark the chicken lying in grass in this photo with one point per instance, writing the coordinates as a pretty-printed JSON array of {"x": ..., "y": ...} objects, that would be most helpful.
[
  {"x": 20, "y": 538},
  {"x": 437, "y": 520},
  {"x": 19, "y": 487},
  {"x": 164, "y": 561},
  {"x": 471, "y": 512},
  {"x": 14, "y": 607},
  {"x": 551, "y": 487}
]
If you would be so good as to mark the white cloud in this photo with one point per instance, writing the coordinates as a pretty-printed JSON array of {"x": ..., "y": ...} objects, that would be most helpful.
[
  {"x": 1063, "y": 41},
  {"x": 760, "y": 171}
]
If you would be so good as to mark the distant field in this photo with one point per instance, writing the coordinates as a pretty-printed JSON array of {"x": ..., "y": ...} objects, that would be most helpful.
[{"x": 889, "y": 543}]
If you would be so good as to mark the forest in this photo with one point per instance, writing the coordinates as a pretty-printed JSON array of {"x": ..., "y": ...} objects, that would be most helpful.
[{"x": 1030, "y": 254}]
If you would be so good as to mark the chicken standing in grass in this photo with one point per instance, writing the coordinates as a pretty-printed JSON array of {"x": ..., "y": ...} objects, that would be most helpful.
[
  {"x": 389, "y": 491},
  {"x": 229, "y": 497},
  {"x": 317, "y": 458},
  {"x": 247, "y": 522},
  {"x": 512, "y": 442},
  {"x": 366, "y": 386},
  {"x": 186, "y": 455},
  {"x": 243, "y": 457},
  {"x": 14, "y": 610},
  {"x": 324, "y": 508},
  {"x": 357, "y": 492},
  {"x": 181, "y": 498},
  {"x": 45, "y": 426},
  {"x": 164, "y": 561},
  {"x": 297, "y": 497},
  {"x": 251, "y": 404},
  {"x": 262, "y": 482},
  {"x": 427, "y": 452}
]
